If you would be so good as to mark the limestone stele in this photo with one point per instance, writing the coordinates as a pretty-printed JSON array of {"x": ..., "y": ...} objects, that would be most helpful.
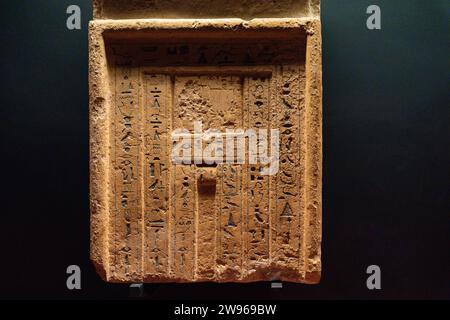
[{"x": 158, "y": 66}]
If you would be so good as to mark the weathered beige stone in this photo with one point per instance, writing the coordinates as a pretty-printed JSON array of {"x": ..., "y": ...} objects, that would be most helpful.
[
  {"x": 172, "y": 9},
  {"x": 156, "y": 221}
]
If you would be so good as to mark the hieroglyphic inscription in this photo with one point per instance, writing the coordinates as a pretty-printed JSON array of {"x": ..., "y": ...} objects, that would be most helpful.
[
  {"x": 285, "y": 216},
  {"x": 156, "y": 172},
  {"x": 184, "y": 222},
  {"x": 257, "y": 91},
  {"x": 203, "y": 221},
  {"x": 217, "y": 102},
  {"x": 215, "y": 54},
  {"x": 127, "y": 173},
  {"x": 230, "y": 249}
]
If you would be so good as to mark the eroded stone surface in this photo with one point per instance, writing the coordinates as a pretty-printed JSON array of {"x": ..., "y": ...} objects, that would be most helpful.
[
  {"x": 171, "y": 9},
  {"x": 156, "y": 221}
]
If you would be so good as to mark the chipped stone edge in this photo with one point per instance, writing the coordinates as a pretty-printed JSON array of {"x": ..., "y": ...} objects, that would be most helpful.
[
  {"x": 99, "y": 148},
  {"x": 313, "y": 102},
  {"x": 101, "y": 25},
  {"x": 100, "y": 102},
  {"x": 312, "y": 9}
]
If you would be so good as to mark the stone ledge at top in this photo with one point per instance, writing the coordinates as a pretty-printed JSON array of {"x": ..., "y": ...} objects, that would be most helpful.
[{"x": 175, "y": 9}]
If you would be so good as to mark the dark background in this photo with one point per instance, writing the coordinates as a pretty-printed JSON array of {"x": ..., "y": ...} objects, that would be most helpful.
[{"x": 386, "y": 189}]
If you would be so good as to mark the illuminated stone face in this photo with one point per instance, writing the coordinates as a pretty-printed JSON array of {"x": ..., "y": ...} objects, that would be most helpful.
[{"x": 206, "y": 150}]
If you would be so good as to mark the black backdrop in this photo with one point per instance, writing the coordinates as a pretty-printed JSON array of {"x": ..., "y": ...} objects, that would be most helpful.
[{"x": 386, "y": 160}]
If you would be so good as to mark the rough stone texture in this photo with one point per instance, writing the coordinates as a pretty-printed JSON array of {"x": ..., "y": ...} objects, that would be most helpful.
[
  {"x": 170, "y": 9},
  {"x": 156, "y": 221}
]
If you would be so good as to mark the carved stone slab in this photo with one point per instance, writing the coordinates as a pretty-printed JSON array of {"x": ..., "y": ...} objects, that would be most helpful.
[{"x": 156, "y": 220}]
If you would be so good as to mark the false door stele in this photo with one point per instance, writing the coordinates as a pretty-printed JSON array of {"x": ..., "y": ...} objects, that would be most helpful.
[{"x": 201, "y": 221}]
